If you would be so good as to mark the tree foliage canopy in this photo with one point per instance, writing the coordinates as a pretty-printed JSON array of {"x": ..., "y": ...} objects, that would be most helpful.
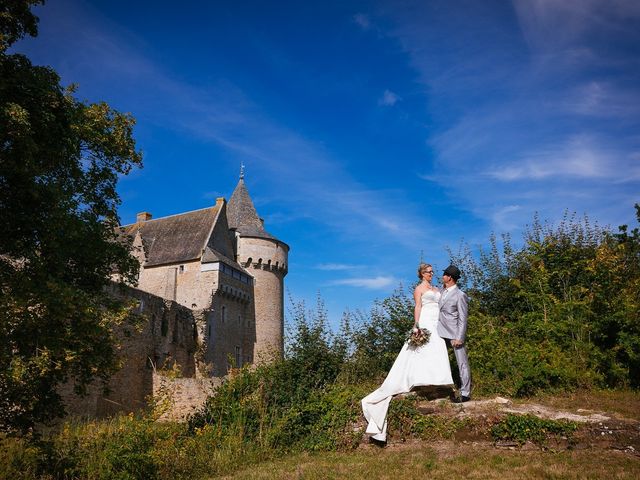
[
  {"x": 16, "y": 21},
  {"x": 568, "y": 300},
  {"x": 60, "y": 159}
]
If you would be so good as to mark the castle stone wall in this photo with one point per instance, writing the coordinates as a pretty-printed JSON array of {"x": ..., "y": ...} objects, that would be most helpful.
[
  {"x": 164, "y": 337},
  {"x": 179, "y": 397},
  {"x": 188, "y": 286},
  {"x": 230, "y": 334}
]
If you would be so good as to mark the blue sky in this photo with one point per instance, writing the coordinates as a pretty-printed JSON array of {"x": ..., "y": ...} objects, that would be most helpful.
[{"x": 373, "y": 132}]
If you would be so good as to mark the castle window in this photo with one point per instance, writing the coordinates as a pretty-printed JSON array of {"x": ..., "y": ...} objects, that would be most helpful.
[
  {"x": 181, "y": 269},
  {"x": 209, "y": 331},
  {"x": 224, "y": 314},
  {"x": 238, "y": 358}
]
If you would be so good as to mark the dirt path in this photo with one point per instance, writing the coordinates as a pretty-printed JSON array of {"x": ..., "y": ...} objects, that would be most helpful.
[{"x": 597, "y": 429}]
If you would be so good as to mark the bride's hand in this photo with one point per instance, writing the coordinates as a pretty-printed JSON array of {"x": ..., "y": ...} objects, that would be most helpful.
[{"x": 415, "y": 329}]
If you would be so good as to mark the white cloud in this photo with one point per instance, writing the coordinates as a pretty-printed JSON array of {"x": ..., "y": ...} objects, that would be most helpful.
[
  {"x": 599, "y": 99},
  {"x": 580, "y": 157},
  {"x": 501, "y": 218},
  {"x": 375, "y": 283},
  {"x": 388, "y": 99},
  {"x": 553, "y": 24},
  {"x": 336, "y": 266},
  {"x": 222, "y": 113},
  {"x": 519, "y": 130}
]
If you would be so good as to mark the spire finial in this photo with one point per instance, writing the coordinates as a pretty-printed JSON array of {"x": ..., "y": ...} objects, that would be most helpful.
[{"x": 241, "y": 171}]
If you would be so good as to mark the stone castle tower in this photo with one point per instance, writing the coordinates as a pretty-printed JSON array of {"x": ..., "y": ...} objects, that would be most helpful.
[
  {"x": 223, "y": 265},
  {"x": 266, "y": 258}
]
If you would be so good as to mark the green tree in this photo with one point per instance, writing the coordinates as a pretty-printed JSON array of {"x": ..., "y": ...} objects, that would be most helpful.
[
  {"x": 569, "y": 301},
  {"x": 60, "y": 159},
  {"x": 378, "y": 338}
]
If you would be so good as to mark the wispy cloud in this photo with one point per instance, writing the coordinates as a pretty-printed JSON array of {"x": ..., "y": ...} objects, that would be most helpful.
[
  {"x": 388, "y": 99},
  {"x": 543, "y": 128},
  {"x": 554, "y": 24},
  {"x": 375, "y": 283},
  {"x": 503, "y": 219},
  {"x": 579, "y": 158},
  {"x": 362, "y": 20},
  {"x": 336, "y": 266},
  {"x": 221, "y": 112}
]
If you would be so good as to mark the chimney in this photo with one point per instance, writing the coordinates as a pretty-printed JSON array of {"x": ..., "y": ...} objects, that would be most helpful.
[
  {"x": 143, "y": 217},
  {"x": 219, "y": 201}
]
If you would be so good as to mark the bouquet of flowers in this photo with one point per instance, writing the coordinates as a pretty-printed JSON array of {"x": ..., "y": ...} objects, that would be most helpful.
[{"x": 418, "y": 337}]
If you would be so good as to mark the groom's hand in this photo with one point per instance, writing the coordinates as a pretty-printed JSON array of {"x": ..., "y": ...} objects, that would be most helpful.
[{"x": 456, "y": 343}]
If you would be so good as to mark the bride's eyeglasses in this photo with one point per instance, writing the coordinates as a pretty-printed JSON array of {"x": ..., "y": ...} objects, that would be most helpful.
[{"x": 430, "y": 272}]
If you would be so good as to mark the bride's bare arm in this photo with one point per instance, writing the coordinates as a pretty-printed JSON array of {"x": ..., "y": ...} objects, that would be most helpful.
[{"x": 418, "y": 308}]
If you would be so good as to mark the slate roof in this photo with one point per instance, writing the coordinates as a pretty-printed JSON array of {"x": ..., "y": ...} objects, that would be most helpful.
[
  {"x": 177, "y": 238},
  {"x": 211, "y": 255},
  {"x": 242, "y": 214}
]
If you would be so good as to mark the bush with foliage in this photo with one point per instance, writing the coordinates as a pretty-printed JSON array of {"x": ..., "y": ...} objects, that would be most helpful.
[
  {"x": 293, "y": 403},
  {"x": 562, "y": 311},
  {"x": 523, "y": 428}
]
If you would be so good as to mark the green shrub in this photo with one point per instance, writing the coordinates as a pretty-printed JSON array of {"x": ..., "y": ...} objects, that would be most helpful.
[
  {"x": 255, "y": 403},
  {"x": 19, "y": 458},
  {"x": 558, "y": 313},
  {"x": 406, "y": 421},
  {"x": 523, "y": 428}
]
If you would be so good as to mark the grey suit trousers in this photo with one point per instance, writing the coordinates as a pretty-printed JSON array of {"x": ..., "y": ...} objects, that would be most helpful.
[
  {"x": 463, "y": 367},
  {"x": 452, "y": 324}
]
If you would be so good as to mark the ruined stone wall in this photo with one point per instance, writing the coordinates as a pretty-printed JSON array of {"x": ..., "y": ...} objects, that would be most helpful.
[
  {"x": 178, "y": 397},
  {"x": 165, "y": 336}
]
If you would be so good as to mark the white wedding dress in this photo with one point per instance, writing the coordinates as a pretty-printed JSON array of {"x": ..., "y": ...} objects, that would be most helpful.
[{"x": 414, "y": 366}]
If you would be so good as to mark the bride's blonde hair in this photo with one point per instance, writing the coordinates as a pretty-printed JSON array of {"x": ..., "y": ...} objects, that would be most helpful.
[{"x": 422, "y": 267}]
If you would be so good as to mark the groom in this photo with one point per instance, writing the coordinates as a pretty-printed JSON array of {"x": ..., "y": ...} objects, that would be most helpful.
[{"x": 452, "y": 326}]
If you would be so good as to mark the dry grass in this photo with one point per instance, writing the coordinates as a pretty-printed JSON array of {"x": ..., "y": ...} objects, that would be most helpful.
[
  {"x": 621, "y": 403},
  {"x": 447, "y": 460}
]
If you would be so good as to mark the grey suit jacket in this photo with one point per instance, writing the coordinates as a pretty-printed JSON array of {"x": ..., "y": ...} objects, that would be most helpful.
[{"x": 452, "y": 322}]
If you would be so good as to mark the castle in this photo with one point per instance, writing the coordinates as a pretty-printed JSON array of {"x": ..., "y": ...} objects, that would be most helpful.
[
  {"x": 221, "y": 263},
  {"x": 210, "y": 293}
]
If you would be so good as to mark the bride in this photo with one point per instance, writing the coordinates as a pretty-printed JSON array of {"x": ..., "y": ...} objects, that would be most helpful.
[{"x": 414, "y": 366}]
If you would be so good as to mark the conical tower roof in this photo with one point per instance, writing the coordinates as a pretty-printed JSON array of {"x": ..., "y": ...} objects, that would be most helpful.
[{"x": 242, "y": 214}]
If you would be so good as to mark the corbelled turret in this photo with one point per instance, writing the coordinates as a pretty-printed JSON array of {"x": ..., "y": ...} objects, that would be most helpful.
[{"x": 266, "y": 258}]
